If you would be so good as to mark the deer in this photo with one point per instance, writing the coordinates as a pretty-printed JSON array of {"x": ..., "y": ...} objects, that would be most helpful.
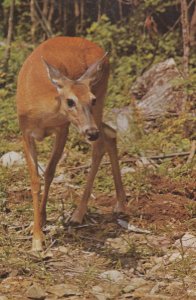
[{"x": 62, "y": 82}]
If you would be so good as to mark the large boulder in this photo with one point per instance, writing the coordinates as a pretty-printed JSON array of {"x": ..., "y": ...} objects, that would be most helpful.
[{"x": 155, "y": 94}]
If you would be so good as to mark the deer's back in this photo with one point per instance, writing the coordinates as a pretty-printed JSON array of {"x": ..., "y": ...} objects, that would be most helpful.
[{"x": 72, "y": 55}]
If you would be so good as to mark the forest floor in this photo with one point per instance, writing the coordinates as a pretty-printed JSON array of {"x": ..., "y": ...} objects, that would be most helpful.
[
  {"x": 148, "y": 254},
  {"x": 106, "y": 257}
]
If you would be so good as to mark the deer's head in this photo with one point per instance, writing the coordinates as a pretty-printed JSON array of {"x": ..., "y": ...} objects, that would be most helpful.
[{"x": 77, "y": 99}]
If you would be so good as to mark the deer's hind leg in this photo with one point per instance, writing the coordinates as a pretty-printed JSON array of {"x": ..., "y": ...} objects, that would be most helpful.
[{"x": 59, "y": 144}]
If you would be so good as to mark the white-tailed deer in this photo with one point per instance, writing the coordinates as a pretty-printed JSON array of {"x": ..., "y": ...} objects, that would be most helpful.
[{"x": 64, "y": 81}]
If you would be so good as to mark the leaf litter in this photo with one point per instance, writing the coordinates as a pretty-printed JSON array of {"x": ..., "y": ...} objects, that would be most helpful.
[{"x": 145, "y": 246}]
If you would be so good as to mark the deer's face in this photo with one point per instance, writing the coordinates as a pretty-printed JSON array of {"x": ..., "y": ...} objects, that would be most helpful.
[{"x": 77, "y": 100}]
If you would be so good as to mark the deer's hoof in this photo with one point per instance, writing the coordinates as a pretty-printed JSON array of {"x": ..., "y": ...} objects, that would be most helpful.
[
  {"x": 120, "y": 208},
  {"x": 77, "y": 218},
  {"x": 37, "y": 245}
]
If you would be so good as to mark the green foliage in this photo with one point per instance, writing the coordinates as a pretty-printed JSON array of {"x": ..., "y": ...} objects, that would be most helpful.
[
  {"x": 159, "y": 6},
  {"x": 7, "y": 3},
  {"x": 8, "y": 124},
  {"x": 19, "y": 52},
  {"x": 167, "y": 137},
  {"x": 138, "y": 182},
  {"x": 8, "y": 119},
  {"x": 190, "y": 83},
  {"x": 131, "y": 51}
]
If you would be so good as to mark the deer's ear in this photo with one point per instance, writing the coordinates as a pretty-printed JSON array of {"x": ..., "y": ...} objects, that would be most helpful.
[
  {"x": 54, "y": 74},
  {"x": 94, "y": 72}
]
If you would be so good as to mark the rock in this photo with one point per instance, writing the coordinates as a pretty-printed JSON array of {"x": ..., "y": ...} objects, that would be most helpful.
[
  {"x": 175, "y": 256},
  {"x": 141, "y": 292},
  {"x": 36, "y": 292},
  {"x": 187, "y": 241},
  {"x": 63, "y": 249},
  {"x": 12, "y": 158},
  {"x": 129, "y": 288},
  {"x": 159, "y": 241},
  {"x": 191, "y": 293},
  {"x": 3, "y": 297},
  {"x": 59, "y": 179},
  {"x": 61, "y": 290},
  {"x": 189, "y": 280},
  {"x": 135, "y": 283},
  {"x": 147, "y": 266},
  {"x": 156, "y": 92},
  {"x": 157, "y": 287},
  {"x": 122, "y": 122},
  {"x": 118, "y": 244},
  {"x": 152, "y": 297},
  {"x": 173, "y": 287},
  {"x": 99, "y": 294},
  {"x": 155, "y": 96},
  {"x": 151, "y": 273},
  {"x": 112, "y": 275},
  {"x": 126, "y": 170},
  {"x": 97, "y": 289}
]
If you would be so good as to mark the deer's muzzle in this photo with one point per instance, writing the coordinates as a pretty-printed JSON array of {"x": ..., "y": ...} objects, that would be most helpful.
[{"x": 92, "y": 134}]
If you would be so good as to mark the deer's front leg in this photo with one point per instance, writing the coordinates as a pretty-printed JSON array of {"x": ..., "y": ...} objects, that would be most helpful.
[
  {"x": 97, "y": 154},
  {"x": 31, "y": 157},
  {"x": 111, "y": 148}
]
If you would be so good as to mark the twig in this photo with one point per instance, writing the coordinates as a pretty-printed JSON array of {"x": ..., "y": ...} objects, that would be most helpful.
[
  {"x": 91, "y": 239},
  {"x": 161, "y": 156},
  {"x": 178, "y": 20},
  {"x": 42, "y": 170},
  {"x": 185, "y": 36},
  {"x": 50, "y": 246},
  {"x": 192, "y": 152},
  {"x": 43, "y": 21},
  {"x": 133, "y": 158}
]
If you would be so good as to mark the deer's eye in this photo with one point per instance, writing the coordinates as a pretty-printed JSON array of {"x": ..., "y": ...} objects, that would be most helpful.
[
  {"x": 71, "y": 103},
  {"x": 94, "y": 101},
  {"x": 59, "y": 86}
]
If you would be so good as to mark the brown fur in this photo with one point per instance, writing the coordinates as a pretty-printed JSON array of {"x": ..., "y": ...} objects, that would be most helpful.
[{"x": 59, "y": 69}]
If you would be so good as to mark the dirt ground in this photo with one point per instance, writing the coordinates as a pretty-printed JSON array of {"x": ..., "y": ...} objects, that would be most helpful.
[{"x": 104, "y": 258}]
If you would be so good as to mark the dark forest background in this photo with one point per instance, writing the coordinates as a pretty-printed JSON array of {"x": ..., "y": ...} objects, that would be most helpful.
[{"x": 137, "y": 33}]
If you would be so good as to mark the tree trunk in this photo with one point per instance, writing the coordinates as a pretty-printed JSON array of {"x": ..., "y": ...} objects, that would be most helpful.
[
  {"x": 185, "y": 36},
  {"x": 99, "y": 11},
  {"x": 64, "y": 16},
  {"x": 120, "y": 9},
  {"x": 9, "y": 39},
  {"x": 42, "y": 20},
  {"x": 45, "y": 8},
  {"x": 33, "y": 21},
  {"x": 193, "y": 28},
  {"x": 76, "y": 15},
  {"x": 82, "y": 15},
  {"x": 51, "y": 12}
]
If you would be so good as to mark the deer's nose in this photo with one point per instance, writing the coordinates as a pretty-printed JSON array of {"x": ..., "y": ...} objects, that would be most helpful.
[{"x": 92, "y": 134}]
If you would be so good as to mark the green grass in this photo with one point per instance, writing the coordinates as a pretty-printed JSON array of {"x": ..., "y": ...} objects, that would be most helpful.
[{"x": 167, "y": 137}]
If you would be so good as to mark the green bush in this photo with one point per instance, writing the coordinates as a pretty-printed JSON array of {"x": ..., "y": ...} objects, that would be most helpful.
[{"x": 131, "y": 52}]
